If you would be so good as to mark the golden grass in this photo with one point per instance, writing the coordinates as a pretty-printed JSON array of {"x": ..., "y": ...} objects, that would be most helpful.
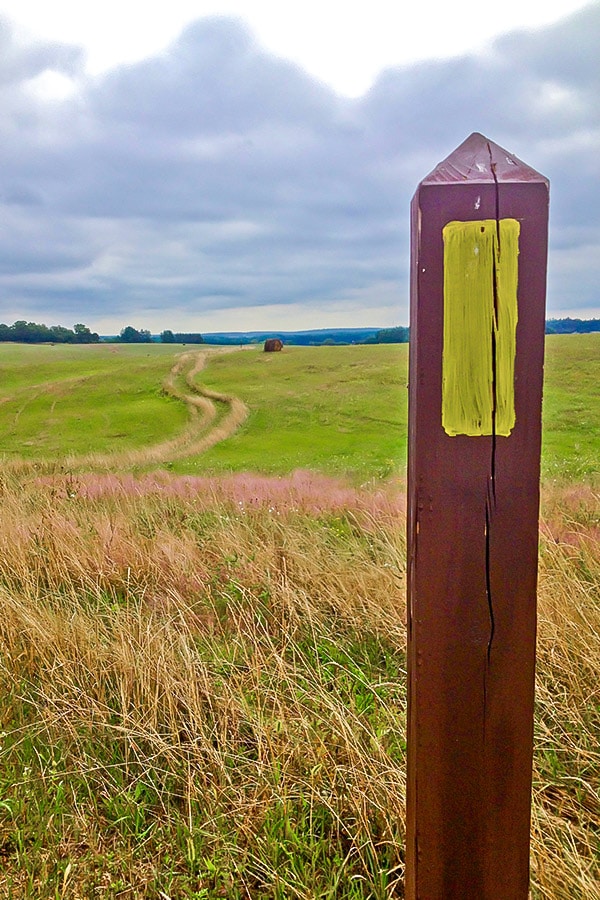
[
  {"x": 566, "y": 809},
  {"x": 205, "y": 697}
]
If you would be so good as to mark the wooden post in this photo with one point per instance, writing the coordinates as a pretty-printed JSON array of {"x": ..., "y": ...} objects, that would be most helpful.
[{"x": 478, "y": 280}]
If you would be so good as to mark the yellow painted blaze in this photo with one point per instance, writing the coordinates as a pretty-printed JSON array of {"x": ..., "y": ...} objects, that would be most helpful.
[{"x": 480, "y": 323}]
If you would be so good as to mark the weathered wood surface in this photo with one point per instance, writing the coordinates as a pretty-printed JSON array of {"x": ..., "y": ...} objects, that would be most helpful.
[{"x": 472, "y": 544}]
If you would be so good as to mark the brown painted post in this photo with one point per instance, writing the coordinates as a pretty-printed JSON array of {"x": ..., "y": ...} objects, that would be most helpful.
[{"x": 478, "y": 280}]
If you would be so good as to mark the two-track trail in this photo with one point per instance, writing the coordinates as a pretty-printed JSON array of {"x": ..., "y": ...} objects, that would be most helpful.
[
  {"x": 203, "y": 405},
  {"x": 213, "y": 417}
]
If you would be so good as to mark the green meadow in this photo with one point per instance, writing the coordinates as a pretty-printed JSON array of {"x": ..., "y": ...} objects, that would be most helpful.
[
  {"x": 60, "y": 400},
  {"x": 339, "y": 410},
  {"x": 571, "y": 411}
]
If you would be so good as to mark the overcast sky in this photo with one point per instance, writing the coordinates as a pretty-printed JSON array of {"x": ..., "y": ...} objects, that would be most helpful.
[{"x": 253, "y": 170}]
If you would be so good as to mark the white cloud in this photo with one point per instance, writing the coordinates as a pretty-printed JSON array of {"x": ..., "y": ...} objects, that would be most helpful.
[{"x": 345, "y": 45}]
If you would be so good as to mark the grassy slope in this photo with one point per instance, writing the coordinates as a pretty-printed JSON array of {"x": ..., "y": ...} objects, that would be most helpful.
[
  {"x": 60, "y": 399},
  {"x": 344, "y": 409},
  {"x": 571, "y": 446},
  {"x": 336, "y": 409},
  {"x": 341, "y": 410}
]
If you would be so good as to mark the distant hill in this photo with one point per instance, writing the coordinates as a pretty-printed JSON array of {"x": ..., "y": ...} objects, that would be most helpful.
[
  {"x": 397, "y": 335},
  {"x": 332, "y": 336},
  {"x": 303, "y": 338}
]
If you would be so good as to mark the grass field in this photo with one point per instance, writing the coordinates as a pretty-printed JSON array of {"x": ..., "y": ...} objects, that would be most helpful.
[
  {"x": 571, "y": 446},
  {"x": 60, "y": 400},
  {"x": 202, "y": 679},
  {"x": 339, "y": 410}
]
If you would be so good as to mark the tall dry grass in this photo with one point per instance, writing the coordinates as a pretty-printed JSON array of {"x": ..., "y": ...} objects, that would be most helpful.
[
  {"x": 566, "y": 808},
  {"x": 204, "y": 691}
]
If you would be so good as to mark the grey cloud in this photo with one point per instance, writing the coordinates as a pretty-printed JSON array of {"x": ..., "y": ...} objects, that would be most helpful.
[
  {"x": 21, "y": 195},
  {"x": 20, "y": 63},
  {"x": 566, "y": 52},
  {"x": 215, "y": 79},
  {"x": 217, "y": 176}
]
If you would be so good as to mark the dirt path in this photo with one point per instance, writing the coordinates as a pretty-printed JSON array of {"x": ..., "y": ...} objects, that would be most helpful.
[{"x": 204, "y": 429}]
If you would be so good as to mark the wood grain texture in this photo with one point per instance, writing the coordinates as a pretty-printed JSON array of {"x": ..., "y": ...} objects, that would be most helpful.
[{"x": 472, "y": 544}]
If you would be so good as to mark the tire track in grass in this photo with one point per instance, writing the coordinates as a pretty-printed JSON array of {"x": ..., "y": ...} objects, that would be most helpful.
[
  {"x": 206, "y": 398},
  {"x": 204, "y": 429}
]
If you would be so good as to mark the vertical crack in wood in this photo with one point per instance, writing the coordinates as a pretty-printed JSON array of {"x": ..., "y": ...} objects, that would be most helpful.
[{"x": 491, "y": 487}]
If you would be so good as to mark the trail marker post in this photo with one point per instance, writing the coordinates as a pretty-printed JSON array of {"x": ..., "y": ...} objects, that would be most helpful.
[{"x": 478, "y": 282}]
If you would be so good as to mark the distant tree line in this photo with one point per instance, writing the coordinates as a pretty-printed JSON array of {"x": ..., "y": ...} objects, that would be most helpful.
[
  {"x": 401, "y": 335},
  {"x": 32, "y": 333},
  {"x": 572, "y": 326},
  {"x": 181, "y": 337},
  {"x": 131, "y": 335},
  {"x": 398, "y": 335}
]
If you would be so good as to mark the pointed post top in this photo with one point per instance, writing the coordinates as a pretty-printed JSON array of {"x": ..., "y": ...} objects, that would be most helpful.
[{"x": 480, "y": 160}]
